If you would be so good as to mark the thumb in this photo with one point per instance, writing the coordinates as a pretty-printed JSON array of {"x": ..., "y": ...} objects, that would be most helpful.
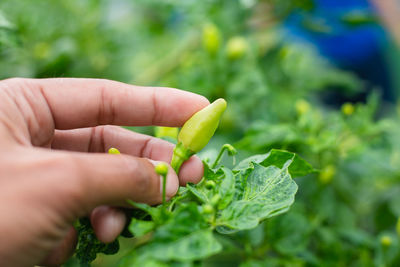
[{"x": 102, "y": 179}]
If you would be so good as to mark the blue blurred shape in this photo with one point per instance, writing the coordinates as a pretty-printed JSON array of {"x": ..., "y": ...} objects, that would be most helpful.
[{"x": 345, "y": 31}]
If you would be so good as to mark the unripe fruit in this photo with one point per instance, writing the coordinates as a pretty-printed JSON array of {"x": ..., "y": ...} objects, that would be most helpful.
[
  {"x": 210, "y": 184},
  {"x": 208, "y": 209},
  {"x": 398, "y": 227},
  {"x": 386, "y": 240},
  {"x": 215, "y": 199},
  {"x": 236, "y": 47},
  {"x": 198, "y": 130},
  {"x": 348, "y": 109},
  {"x": 327, "y": 173},
  {"x": 211, "y": 38},
  {"x": 161, "y": 169},
  {"x": 302, "y": 106}
]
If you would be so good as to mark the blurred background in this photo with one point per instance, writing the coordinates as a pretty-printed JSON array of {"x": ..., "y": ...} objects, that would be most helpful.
[{"x": 317, "y": 77}]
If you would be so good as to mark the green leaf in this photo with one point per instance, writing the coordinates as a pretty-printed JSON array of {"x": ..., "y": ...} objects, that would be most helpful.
[
  {"x": 267, "y": 191},
  {"x": 212, "y": 174},
  {"x": 5, "y": 23},
  {"x": 246, "y": 163},
  {"x": 291, "y": 233},
  {"x": 183, "y": 221},
  {"x": 139, "y": 228},
  {"x": 194, "y": 246},
  {"x": 197, "y": 192},
  {"x": 226, "y": 188},
  {"x": 298, "y": 166},
  {"x": 88, "y": 244},
  {"x": 135, "y": 260},
  {"x": 276, "y": 157},
  {"x": 154, "y": 212}
]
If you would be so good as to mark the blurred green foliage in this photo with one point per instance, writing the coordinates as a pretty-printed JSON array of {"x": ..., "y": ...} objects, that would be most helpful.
[{"x": 345, "y": 215}]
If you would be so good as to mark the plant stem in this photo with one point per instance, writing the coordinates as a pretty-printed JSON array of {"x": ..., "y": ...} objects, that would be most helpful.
[
  {"x": 219, "y": 157},
  {"x": 231, "y": 151},
  {"x": 164, "y": 188},
  {"x": 181, "y": 154}
]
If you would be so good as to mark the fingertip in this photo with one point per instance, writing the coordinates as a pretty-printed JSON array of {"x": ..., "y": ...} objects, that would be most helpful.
[
  {"x": 107, "y": 222},
  {"x": 191, "y": 171},
  {"x": 172, "y": 185},
  {"x": 203, "y": 101},
  {"x": 172, "y": 182}
]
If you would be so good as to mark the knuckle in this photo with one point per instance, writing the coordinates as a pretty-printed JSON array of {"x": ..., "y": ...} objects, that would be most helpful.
[
  {"x": 16, "y": 83},
  {"x": 15, "y": 80},
  {"x": 108, "y": 132},
  {"x": 96, "y": 143},
  {"x": 106, "y": 112},
  {"x": 73, "y": 183}
]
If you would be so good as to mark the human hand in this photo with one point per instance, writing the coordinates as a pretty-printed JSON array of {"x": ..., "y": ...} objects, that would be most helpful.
[{"x": 47, "y": 178}]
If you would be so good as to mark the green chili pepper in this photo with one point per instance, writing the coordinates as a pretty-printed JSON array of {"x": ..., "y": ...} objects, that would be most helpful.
[{"x": 197, "y": 132}]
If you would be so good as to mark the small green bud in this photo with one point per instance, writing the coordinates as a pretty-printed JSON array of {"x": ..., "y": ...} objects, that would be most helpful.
[
  {"x": 302, "y": 106},
  {"x": 215, "y": 199},
  {"x": 161, "y": 169},
  {"x": 386, "y": 240},
  {"x": 198, "y": 130},
  {"x": 113, "y": 151},
  {"x": 208, "y": 209},
  {"x": 210, "y": 184},
  {"x": 348, "y": 109},
  {"x": 211, "y": 38},
  {"x": 231, "y": 150},
  {"x": 236, "y": 47},
  {"x": 327, "y": 173},
  {"x": 398, "y": 227}
]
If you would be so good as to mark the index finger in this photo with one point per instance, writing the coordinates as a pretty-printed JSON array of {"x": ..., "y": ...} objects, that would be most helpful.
[{"x": 77, "y": 103}]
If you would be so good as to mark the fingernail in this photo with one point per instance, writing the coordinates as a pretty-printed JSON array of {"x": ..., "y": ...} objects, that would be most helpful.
[
  {"x": 113, "y": 225},
  {"x": 108, "y": 223}
]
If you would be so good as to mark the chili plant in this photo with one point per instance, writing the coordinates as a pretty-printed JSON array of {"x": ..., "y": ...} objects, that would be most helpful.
[{"x": 188, "y": 228}]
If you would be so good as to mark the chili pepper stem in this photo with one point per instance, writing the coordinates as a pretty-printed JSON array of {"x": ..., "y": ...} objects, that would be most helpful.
[
  {"x": 162, "y": 169},
  {"x": 164, "y": 188},
  {"x": 219, "y": 157},
  {"x": 180, "y": 155},
  {"x": 231, "y": 151}
]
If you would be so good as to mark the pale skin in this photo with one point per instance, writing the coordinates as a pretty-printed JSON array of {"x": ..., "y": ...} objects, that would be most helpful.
[{"x": 53, "y": 165}]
